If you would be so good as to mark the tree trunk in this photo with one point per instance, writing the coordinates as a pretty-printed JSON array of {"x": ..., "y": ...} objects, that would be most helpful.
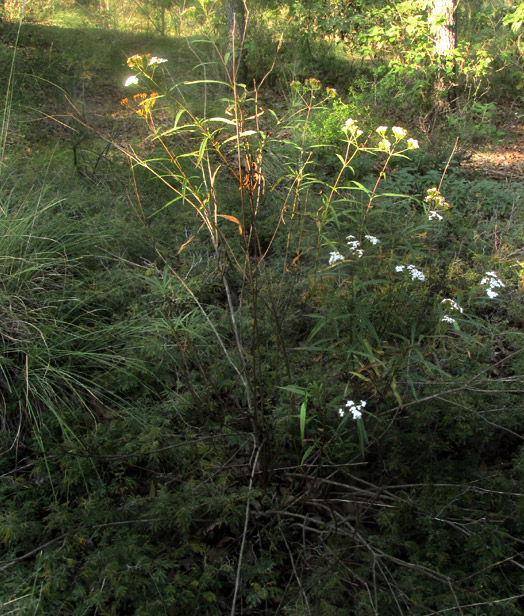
[
  {"x": 446, "y": 33},
  {"x": 445, "y": 43}
]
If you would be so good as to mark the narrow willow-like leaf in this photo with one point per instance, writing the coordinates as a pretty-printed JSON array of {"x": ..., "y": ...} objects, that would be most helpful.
[
  {"x": 396, "y": 393},
  {"x": 303, "y": 410},
  {"x": 225, "y": 120},
  {"x": 185, "y": 128},
  {"x": 354, "y": 185},
  {"x": 232, "y": 219},
  {"x": 202, "y": 150},
  {"x": 246, "y": 133},
  {"x": 362, "y": 436},
  {"x": 294, "y": 389},
  {"x": 307, "y": 453},
  {"x": 200, "y": 81}
]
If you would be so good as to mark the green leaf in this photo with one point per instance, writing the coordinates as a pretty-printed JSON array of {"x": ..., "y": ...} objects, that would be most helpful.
[
  {"x": 225, "y": 120},
  {"x": 307, "y": 453},
  {"x": 303, "y": 408},
  {"x": 294, "y": 389},
  {"x": 246, "y": 133},
  {"x": 362, "y": 436},
  {"x": 202, "y": 150}
]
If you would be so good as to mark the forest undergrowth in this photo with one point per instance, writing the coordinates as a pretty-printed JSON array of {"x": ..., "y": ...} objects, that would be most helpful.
[{"x": 261, "y": 341}]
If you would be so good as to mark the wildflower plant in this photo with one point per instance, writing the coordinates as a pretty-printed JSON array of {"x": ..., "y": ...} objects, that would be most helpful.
[
  {"x": 355, "y": 146},
  {"x": 413, "y": 272},
  {"x": 355, "y": 409},
  {"x": 436, "y": 204},
  {"x": 490, "y": 282},
  {"x": 451, "y": 306},
  {"x": 236, "y": 144},
  {"x": 321, "y": 283}
]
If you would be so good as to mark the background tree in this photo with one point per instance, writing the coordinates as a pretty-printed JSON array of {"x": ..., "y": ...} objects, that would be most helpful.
[
  {"x": 444, "y": 12},
  {"x": 445, "y": 15}
]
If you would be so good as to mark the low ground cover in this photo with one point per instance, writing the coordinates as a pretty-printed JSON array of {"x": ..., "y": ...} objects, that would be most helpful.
[{"x": 261, "y": 347}]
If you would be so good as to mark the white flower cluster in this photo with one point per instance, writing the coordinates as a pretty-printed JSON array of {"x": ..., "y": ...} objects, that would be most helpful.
[
  {"x": 354, "y": 408},
  {"x": 351, "y": 127},
  {"x": 413, "y": 271},
  {"x": 433, "y": 214},
  {"x": 137, "y": 62},
  {"x": 399, "y": 133},
  {"x": 453, "y": 306},
  {"x": 354, "y": 245},
  {"x": 155, "y": 60},
  {"x": 492, "y": 281},
  {"x": 385, "y": 144},
  {"x": 334, "y": 257}
]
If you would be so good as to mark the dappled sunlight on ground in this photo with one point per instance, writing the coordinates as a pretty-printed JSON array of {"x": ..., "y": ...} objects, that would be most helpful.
[{"x": 500, "y": 161}]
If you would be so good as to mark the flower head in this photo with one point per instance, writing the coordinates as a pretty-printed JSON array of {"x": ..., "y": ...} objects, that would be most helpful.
[
  {"x": 492, "y": 281},
  {"x": 413, "y": 272},
  {"x": 334, "y": 257},
  {"x": 412, "y": 144},
  {"x": 385, "y": 145},
  {"x": 416, "y": 274},
  {"x": 434, "y": 197},
  {"x": 355, "y": 408},
  {"x": 131, "y": 81},
  {"x": 399, "y": 132},
  {"x": 371, "y": 238},
  {"x": 135, "y": 61},
  {"x": 156, "y": 60},
  {"x": 447, "y": 319},
  {"x": 354, "y": 245},
  {"x": 313, "y": 83},
  {"x": 433, "y": 214},
  {"x": 382, "y": 130},
  {"x": 351, "y": 126},
  {"x": 452, "y": 304}
]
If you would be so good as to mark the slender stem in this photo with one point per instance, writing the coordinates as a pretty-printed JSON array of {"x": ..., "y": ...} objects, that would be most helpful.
[{"x": 244, "y": 533}]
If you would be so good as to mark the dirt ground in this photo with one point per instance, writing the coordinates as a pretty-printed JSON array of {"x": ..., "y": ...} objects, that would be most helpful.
[{"x": 502, "y": 161}]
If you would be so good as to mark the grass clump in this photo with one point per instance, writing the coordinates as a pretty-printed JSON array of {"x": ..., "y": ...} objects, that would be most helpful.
[{"x": 60, "y": 336}]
